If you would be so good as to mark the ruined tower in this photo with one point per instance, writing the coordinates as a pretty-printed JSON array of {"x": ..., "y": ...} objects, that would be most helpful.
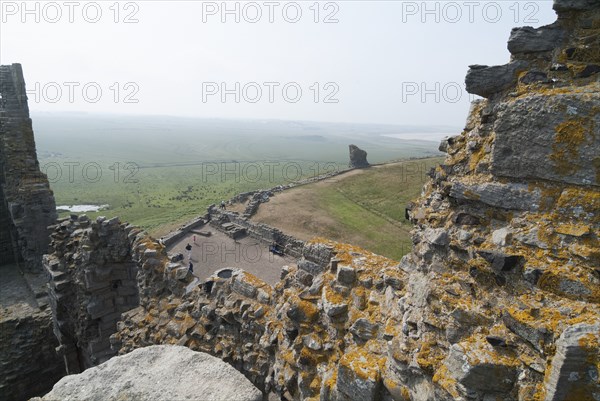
[{"x": 27, "y": 205}]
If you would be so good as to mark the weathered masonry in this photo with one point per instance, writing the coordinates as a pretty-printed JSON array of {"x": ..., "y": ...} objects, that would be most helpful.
[{"x": 27, "y": 205}]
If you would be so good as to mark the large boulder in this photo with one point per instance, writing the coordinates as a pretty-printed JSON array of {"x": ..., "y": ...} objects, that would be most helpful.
[
  {"x": 358, "y": 157},
  {"x": 158, "y": 372}
]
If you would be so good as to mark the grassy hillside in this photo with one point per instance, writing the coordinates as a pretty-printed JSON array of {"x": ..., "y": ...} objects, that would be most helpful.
[{"x": 364, "y": 207}]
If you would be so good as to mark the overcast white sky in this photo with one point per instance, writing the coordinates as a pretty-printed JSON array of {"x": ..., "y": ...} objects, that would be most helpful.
[{"x": 376, "y": 60}]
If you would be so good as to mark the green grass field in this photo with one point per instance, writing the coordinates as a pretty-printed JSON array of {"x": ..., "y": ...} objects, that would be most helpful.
[{"x": 374, "y": 203}]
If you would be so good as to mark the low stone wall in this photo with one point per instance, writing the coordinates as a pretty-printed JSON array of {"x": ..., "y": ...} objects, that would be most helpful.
[
  {"x": 264, "y": 233},
  {"x": 177, "y": 235}
]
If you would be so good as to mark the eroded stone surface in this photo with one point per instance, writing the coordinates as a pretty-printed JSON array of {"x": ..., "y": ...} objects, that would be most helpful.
[{"x": 159, "y": 372}]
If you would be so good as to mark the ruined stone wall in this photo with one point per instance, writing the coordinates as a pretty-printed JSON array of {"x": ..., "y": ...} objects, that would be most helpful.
[
  {"x": 262, "y": 232},
  {"x": 27, "y": 204},
  {"x": 499, "y": 298},
  {"x": 96, "y": 269},
  {"x": 29, "y": 364}
]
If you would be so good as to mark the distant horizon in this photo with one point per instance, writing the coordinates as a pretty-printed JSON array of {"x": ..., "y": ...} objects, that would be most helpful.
[{"x": 431, "y": 129}]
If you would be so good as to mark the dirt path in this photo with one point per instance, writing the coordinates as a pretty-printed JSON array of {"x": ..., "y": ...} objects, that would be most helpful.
[{"x": 297, "y": 211}]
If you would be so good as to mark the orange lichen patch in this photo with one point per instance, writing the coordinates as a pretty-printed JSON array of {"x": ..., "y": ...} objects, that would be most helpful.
[
  {"x": 569, "y": 137},
  {"x": 551, "y": 318},
  {"x": 586, "y": 198},
  {"x": 591, "y": 343},
  {"x": 573, "y": 229},
  {"x": 333, "y": 296},
  {"x": 315, "y": 384},
  {"x": 392, "y": 328},
  {"x": 590, "y": 88},
  {"x": 288, "y": 356},
  {"x": 256, "y": 282},
  {"x": 310, "y": 357},
  {"x": 365, "y": 365},
  {"x": 585, "y": 251},
  {"x": 430, "y": 356},
  {"x": 444, "y": 379},
  {"x": 477, "y": 157},
  {"x": 309, "y": 310},
  {"x": 330, "y": 382},
  {"x": 397, "y": 390}
]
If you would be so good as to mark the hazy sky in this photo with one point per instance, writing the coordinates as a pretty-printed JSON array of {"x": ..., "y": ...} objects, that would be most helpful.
[{"x": 397, "y": 62}]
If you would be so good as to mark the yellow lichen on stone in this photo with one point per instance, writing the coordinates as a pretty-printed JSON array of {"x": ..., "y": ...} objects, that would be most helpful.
[
  {"x": 365, "y": 365},
  {"x": 573, "y": 229},
  {"x": 430, "y": 356},
  {"x": 569, "y": 137},
  {"x": 444, "y": 379}
]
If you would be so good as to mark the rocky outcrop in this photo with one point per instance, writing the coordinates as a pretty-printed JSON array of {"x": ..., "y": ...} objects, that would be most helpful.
[
  {"x": 160, "y": 372},
  {"x": 515, "y": 286},
  {"x": 574, "y": 368},
  {"x": 26, "y": 202},
  {"x": 358, "y": 157}
]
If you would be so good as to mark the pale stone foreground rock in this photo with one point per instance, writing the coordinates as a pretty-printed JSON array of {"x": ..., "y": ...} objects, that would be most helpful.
[{"x": 158, "y": 372}]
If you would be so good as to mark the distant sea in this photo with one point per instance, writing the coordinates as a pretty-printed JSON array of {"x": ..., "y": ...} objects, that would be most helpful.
[{"x": 421, "y": 136}]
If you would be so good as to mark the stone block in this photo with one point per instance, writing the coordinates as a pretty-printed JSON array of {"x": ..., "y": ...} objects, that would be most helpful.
[
  {"x": 364, "y": 329},
  {"x": 553, "y": 138},
  {"x": 358, "y": 376},
  {"x": 346, "y": 275},
  {"x": 507, "y": 196},
  {"x": 574, "y": 370},
  {"x": 480, "y": 368}
]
